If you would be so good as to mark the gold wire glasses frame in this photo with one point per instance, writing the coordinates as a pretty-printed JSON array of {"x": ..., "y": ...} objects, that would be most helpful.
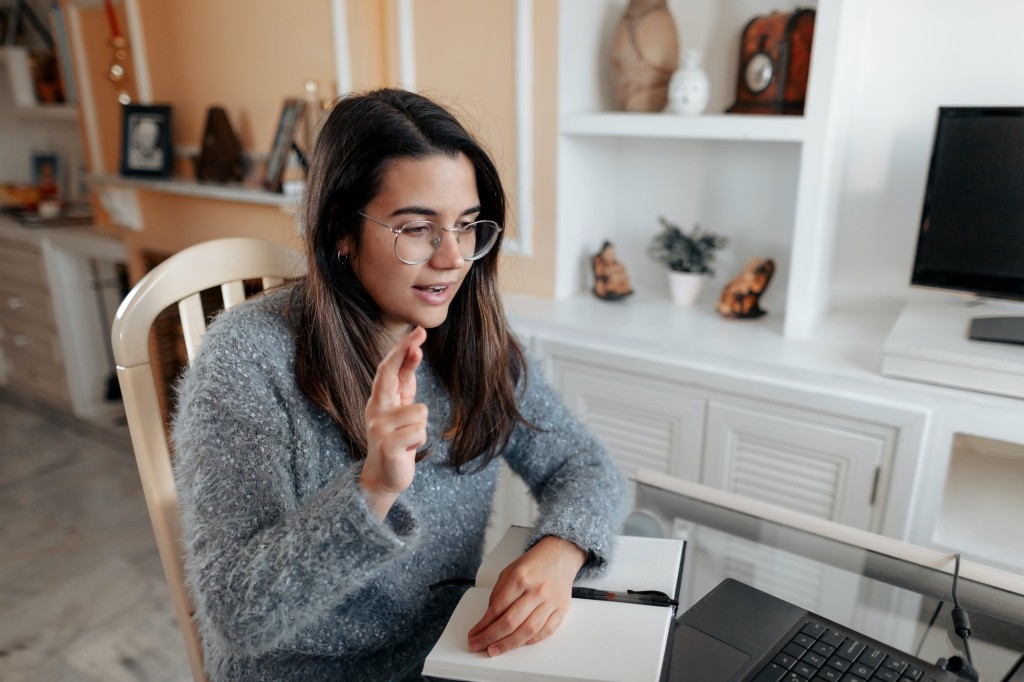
[{"x": 418, "y": 240}]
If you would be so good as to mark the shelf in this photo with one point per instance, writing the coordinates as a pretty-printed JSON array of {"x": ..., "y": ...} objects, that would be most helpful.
[
  {"x": 17, "y": 63},
  {"x": 49, "y": 112},
  {"x": 708, "y": 127},
  {"x": 202, "y": 190}
]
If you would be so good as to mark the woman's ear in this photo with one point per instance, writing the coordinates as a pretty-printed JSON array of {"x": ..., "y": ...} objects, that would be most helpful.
[{"x": 343, "y": 251}]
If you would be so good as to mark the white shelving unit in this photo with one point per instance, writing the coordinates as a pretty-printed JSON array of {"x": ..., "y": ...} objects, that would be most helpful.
[
  {"x": 15, "y": 59},
  {"x": 738, "y": 127},
  {"x": 768, "y": 182}
]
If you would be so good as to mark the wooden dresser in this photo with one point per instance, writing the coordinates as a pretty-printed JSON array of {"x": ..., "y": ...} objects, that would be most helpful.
[
  {"x": 34, "y": 362},
  {"x": 53, "y": 344}
]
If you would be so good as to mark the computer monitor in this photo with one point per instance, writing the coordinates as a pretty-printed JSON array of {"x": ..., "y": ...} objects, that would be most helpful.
[{"x": 971, "y": 235}]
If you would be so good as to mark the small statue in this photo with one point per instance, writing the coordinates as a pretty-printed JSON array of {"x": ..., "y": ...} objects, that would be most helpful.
[
  {"x": 739, "y": 299},
  {"x": 611, "y": 281}
]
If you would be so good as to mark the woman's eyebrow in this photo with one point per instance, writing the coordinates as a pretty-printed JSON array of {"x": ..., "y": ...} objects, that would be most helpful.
[{"x": 423, "y": 210}]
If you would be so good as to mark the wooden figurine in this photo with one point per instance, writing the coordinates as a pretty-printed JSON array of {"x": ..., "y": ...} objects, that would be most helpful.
[
  {"x": 611, "y": 281},
  {"x": 740, "y": 297}
]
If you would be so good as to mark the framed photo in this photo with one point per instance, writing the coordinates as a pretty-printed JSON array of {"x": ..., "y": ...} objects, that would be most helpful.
[
  {"x": 146, "y": 147},
  {"x": 46, "y": 174},
  {"x": 291, "y": 114}
]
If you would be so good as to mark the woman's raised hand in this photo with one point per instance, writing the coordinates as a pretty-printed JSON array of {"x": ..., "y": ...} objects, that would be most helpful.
[{"x": 396, "y": 427}]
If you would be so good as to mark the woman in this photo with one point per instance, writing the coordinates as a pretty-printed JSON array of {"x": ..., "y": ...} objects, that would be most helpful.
[{"x": 337, "y": 438}]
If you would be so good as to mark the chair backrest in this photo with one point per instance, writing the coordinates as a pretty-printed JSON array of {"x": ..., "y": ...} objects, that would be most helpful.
[{"x": 179, "y": 280}]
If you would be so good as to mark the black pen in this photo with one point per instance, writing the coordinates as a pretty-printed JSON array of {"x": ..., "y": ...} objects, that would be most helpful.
[{"x": 629, "y": 597}]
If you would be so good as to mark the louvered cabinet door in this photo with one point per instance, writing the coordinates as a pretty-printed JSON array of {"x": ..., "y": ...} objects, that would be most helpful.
[
  {"x": 644, "y": 422},
  {"x": 802, "y": 460},
  {"x": 814, "y": 463}
]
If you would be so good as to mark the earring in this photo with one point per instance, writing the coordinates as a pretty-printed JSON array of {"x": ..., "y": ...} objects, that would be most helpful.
[{"x": 342, "y": 258}]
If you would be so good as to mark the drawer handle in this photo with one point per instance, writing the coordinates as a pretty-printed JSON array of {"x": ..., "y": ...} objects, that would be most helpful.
[
  {"x": 15, "y": 303},
  {"x": 21, "y": 340}
]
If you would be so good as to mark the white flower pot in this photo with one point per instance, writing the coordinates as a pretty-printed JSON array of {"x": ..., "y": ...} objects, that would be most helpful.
[{"x": 685, "y": 287}]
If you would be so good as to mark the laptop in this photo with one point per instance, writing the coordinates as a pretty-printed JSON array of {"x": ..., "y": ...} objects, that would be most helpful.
[{"x": 737, "y": 633}]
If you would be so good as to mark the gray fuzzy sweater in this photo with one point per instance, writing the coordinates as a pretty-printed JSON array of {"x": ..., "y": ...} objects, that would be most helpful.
[{"x": 292, "y": 575}]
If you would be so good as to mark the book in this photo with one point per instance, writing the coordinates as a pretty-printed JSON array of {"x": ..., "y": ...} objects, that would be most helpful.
[{"x": 598, "y": 641}]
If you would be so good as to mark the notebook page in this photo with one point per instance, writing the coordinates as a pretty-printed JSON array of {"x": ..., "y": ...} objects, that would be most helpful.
[
  {"x": 637, "y": 564},
  {"x": 597, "y": 642}
]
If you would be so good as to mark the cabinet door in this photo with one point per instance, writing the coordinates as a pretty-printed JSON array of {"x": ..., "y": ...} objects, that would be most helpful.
[
  {"x": 644, "y": 422},
  {"x": 806, "y": 461},
  {"x": 798, "y": 459}
]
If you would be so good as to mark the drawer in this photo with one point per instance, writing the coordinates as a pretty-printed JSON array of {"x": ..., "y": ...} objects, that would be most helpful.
[
  {"x": 44, "y": 380},
  {"x": 30, "y": 339},
  {"x": 22, "y": 267},
  {"x": 22, "y": 304}
]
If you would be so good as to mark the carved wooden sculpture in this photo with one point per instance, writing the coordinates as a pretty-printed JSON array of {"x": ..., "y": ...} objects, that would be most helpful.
[
  {"x": 611, "y": 281},
  {"x": 740, "y": 297}
]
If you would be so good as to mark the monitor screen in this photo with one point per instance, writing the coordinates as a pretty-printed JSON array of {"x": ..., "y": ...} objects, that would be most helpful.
[{"x": 972, "y": 226}]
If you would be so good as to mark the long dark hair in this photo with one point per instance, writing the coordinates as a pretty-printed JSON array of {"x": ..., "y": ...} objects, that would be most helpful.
[{"x": 339, "y": 336}]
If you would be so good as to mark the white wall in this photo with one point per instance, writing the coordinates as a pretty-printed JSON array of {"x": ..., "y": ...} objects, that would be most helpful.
[{"x": 917, "y": 55}]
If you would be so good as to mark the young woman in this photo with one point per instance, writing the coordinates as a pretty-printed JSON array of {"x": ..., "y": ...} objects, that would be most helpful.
[{"x": 336, "y": 439}]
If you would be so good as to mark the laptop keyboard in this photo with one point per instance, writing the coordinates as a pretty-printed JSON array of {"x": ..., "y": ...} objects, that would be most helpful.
[{"x": 818, "y": 653}]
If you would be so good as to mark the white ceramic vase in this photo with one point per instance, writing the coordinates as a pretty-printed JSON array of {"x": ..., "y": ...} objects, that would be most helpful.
[
  {"x": 685, "y": 287},
  {"x": 689, "y": 90}
]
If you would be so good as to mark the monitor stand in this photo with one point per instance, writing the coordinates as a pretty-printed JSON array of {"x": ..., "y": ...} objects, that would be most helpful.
[
  {"x": 997, "y": 329},
  {"x": 929, "y": 343}
]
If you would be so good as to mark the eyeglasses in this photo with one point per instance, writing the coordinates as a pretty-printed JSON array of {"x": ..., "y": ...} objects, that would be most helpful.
[{"x": 417, "y": 241}]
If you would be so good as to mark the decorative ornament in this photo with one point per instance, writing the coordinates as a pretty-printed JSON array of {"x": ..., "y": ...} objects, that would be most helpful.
[
  {"x": 645, "y": 53},
  {"x": 775, "y": 60},
  {"x": 611, "y": 281},
  {"x": 740, "y": 297},
  {"x": 688, "y": 91},
  {"x": 119, "y": 45}
]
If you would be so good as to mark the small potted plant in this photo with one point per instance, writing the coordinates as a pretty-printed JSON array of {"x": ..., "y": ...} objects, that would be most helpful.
[{"x": 688, "y": 257}]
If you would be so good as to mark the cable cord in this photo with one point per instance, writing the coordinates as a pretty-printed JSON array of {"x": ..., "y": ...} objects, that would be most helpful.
[
  {"x": 964, "y": 669},
  {"x": 961, "y": 623}
]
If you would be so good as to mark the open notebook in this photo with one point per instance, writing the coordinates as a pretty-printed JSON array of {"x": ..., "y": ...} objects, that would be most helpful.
[{"x": 598, "y": 640}]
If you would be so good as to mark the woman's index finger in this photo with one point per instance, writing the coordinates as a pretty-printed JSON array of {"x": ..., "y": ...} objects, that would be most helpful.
[{"x": 387, "y": 383}]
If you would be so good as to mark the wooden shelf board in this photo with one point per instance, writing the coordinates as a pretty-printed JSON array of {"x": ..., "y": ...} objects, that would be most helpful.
[{"x": 193, "y": 188}]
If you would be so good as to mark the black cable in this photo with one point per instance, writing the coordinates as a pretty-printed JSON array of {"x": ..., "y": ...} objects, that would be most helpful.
[
  {"x": 961, "y": 623},
  {"x": 924, "y": 635}
]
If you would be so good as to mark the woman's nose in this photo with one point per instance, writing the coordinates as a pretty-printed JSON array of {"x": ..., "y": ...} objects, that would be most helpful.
[{"x": 448, "y": 255}]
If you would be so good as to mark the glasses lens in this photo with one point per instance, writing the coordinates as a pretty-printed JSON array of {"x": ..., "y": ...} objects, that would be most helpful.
[
  {"x": 478, "y": 238},
  {"x": 418, "y": 241}
]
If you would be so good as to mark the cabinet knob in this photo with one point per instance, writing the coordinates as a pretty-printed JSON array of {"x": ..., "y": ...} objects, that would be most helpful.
[
  {"x": 21, "y": 340},
  {"x": 15, "y": 303}
]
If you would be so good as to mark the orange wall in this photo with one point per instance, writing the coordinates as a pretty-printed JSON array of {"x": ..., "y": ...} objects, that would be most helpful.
[
  {"x": 535, "y": 275},
  {"x": 99, "y": 56},
  {"x": 249, "y": 55},
  {"x": 466, "y": 58},
  {"x": 244, "y": 56}
]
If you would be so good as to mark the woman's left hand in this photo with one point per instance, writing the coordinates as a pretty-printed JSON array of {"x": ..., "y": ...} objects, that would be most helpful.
[{"x": 530, "y": 598}]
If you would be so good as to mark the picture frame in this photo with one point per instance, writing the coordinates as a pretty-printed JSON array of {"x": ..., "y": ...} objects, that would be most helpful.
[
  {"x": 46, "y": 174},
  {"x": 146, "y": 134},
  {"x": 291, "y": 115}
]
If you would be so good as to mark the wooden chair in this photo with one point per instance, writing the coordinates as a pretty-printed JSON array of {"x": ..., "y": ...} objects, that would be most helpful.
[{"x": 223, "y": 263}]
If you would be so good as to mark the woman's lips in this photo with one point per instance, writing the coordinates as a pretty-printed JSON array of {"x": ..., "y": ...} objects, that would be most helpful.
[{"x": 434, "y": 294}]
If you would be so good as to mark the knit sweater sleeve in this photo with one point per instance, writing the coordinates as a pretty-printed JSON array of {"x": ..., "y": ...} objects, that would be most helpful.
[
  {"x": 264, "y": 559},
  {"x": 578, "y": 488}
]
